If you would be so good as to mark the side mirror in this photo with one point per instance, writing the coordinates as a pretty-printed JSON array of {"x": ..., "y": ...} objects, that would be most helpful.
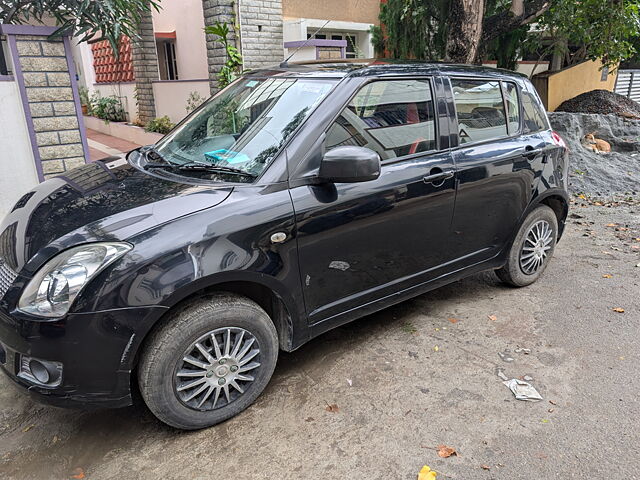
[{"x": 350, "y": 164}]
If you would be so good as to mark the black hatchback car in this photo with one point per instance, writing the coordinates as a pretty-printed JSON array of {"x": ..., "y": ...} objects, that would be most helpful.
[{"x": 295, "y": 200}]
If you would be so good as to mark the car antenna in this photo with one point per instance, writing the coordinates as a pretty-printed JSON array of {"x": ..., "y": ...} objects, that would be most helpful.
[{"x": 286, "y": 62}]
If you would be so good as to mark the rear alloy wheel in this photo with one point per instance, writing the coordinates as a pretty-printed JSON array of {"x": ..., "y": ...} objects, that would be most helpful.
[
  {"x": 537, "y": 244},
  {"x": 208, "y": 361},
  {"x": 532, "y": 248}
]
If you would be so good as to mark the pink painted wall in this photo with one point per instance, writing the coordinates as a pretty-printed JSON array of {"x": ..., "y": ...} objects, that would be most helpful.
[{"x": 186, "y": 18}]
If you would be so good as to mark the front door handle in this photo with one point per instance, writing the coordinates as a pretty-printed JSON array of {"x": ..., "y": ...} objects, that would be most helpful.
[{"x": 437, "y": 176}]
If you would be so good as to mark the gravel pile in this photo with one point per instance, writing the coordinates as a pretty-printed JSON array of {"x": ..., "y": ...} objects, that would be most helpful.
[
  {"x": 601, "y": 102},
  {"x": 601, "y": 175}
]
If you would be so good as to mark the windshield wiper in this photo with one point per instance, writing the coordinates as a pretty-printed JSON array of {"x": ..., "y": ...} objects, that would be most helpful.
[
  {"x": 200, "y": 167},
  {"x": 205, "y": 167}
]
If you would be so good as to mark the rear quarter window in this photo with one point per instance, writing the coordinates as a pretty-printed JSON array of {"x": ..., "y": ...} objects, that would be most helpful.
[{"x": 534, "y": 115}]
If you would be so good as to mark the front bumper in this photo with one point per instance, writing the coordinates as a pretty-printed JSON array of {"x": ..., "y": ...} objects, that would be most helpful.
[{"x": 97, "y": 350}]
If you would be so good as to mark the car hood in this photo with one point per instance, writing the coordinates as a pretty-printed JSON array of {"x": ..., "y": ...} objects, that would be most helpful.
[{"x": 94, "y": 203}]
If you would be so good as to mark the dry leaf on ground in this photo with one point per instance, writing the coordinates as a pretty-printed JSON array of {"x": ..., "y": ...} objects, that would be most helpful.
[
  {"x": 445, "y": 451},
  {"x": 485, "y": 467},
  {"x": 426, "y": 473},
  {"x": 333, "y": 408},
  {"x": 453, "y": 320},
  {"x": 78, "y": 474},
  {"x": 493, "y": 318}
]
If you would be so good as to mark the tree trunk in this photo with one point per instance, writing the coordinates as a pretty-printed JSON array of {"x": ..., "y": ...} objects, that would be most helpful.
[
  {"x": 145, "y": 68},
  {"x": 465, "y": 30},
  {"x": 521, "y": 12}
]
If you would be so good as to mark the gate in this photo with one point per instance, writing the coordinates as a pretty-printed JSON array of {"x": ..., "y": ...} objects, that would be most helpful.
[{"x": 628, "y": 84}]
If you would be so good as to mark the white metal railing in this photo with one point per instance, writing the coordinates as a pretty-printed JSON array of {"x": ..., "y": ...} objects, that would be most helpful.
[{"x": 628, "y": 84}]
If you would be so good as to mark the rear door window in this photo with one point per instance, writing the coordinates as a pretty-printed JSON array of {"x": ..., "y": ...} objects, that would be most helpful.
[
  {"x": 480, "y": 110},
  {"x": 392, "y": 117}
]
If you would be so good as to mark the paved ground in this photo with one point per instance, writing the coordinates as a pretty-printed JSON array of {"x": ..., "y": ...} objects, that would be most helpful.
[
  {"x": 398, "y": 397},
  {"x": 101, "y": 145}
]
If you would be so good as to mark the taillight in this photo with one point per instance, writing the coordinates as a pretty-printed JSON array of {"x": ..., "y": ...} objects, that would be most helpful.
[{"x": 558, "y": 141}]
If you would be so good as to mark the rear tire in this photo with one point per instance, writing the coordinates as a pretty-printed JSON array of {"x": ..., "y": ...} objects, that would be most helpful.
[
  {"x": 532, "y": 248},
  {"x": 227, "y": 376}
]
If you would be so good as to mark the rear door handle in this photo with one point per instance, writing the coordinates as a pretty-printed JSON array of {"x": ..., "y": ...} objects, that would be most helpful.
[{"x": 438, "y": 176}]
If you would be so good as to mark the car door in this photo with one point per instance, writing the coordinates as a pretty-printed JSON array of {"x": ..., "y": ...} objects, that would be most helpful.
[
  {"x": 361, "y": 242},
  {"x": 497, "y": 166}
]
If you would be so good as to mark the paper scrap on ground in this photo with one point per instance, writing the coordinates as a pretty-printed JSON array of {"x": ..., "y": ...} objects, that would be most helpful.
[{"x": 523, "y": 390}]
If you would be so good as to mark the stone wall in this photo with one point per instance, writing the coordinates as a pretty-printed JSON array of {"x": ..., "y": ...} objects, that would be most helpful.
[
  {"x": 261, "y": 33},
  {"x": 217, "y": 11},
  {"x": 51, "y": 101},
  {"x": 145, "y": 68}
]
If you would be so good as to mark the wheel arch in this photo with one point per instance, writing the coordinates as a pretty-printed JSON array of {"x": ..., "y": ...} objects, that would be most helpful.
[
  {"x": 560, "y": 206},
  {"x": 291, "y": 328}
]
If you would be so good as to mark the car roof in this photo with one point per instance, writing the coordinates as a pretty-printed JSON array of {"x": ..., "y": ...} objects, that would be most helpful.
[{"x": 379, "y": 67}]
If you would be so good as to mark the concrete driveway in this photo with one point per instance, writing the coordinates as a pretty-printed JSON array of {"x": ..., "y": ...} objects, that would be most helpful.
[{"x": 405, "y": 381}]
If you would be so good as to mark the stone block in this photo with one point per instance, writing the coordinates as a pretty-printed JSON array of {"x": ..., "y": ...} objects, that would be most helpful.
[
  {"x": 49, "y": 94},
  {"x": 52, "y": 166},
  {"x": 29, "y": 48},
  {"x": 70, "y": 136},
  {"x": 74, "y": 162},
  {"x": 47, "y": 138},
  {"x": 33, "y": 79},
  {"x": 49, "y": 124},
  {"x": 59, "y": 79},
  {"x": 43, "y": 64},
  {"x": 53, "y": 49},
  {"x": 64, "y": 108},
  {"x": 41, "y": 109},
  {"x": 61, "y": 151}
]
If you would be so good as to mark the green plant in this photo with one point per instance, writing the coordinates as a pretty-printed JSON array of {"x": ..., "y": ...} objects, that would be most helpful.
[
  {"x": 233, "y": 65},
  {"x": 85, "y": 19},
  {"x": 83, "y": 92},
  {"x": 109, "y": 109},
  {"x": 592, "y": 29},
  {"x": 160, "y": 125},
  {"x": 194, "y": 101}
]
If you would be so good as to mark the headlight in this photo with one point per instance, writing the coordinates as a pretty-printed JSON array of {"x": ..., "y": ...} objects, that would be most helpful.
[{"x": 51, "y": 292}]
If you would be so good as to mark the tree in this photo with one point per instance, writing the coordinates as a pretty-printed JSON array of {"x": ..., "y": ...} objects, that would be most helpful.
[
  {"x": 590, "y": 30},
  {"x": 459, "y": 31},
  {"x": 89, "y": 20},
  {"x": 465, "y": 30}
]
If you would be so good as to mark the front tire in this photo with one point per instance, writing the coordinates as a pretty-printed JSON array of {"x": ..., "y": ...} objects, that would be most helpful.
[
  {"x": 532, "y": 248},
  {"x": 208, "y": 361}
]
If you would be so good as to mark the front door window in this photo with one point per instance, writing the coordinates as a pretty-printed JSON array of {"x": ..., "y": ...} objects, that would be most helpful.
[{"x": 393, "y": 117}]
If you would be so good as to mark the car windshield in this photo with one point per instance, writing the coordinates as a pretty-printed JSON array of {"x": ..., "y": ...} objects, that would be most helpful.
[{"x": 244, "y": 126}]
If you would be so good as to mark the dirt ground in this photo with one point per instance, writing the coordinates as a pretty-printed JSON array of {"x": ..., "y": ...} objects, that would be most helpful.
[{"x": 406, "y": 380}]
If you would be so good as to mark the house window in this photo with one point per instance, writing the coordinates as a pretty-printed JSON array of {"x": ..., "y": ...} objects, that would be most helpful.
[
  {"x": 167, "y": 61},
  {"x": 351, "y": 38}
]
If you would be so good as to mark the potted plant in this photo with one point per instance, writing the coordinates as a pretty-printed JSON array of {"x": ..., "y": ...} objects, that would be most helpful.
[{"x": 84, "y": 100}]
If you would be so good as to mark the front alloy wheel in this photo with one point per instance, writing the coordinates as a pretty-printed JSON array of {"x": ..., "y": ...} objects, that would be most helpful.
[
  {"x": 207, "y": 361},
  {"x": 217, "y": 368}
]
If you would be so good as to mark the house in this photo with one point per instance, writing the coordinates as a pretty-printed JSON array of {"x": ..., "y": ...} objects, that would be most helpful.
[{"x": 187, "y": 61}]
